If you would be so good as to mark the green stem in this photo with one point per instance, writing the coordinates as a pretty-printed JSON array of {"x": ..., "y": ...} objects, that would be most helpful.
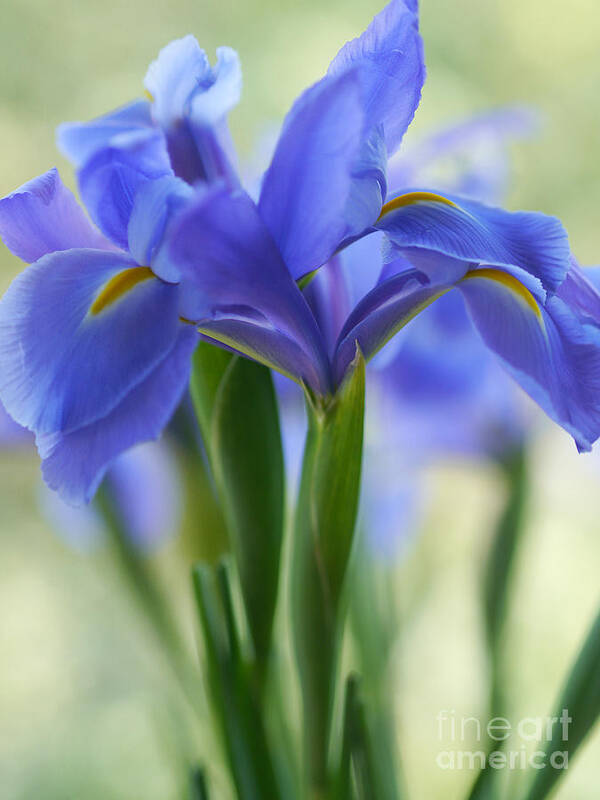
[{"x": 322, "y": 541}]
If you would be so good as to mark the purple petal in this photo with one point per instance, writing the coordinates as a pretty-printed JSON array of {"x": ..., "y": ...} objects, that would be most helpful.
[
  {"x": 551, "y": 349},
  {"x": 66, "y": 361},
  {"x": 110, "y": 180},
  {"x": 381, "y": 314},
  {"x": 42, "y": 216},
  {"x": 190, "y": 102},
  {"x": 79, "y": 141},
  {"x": 307, "y": 186},
  {"x": 391, "y": 67},
  {"x": 475, "y": 233},
  {"x": 329, "y": 299},
  {"x": 232, "y": 270},
  {"x": 11, "y": 433},
  {"x": 75, "y": 463},
  {"x": 155, "y": 205}
]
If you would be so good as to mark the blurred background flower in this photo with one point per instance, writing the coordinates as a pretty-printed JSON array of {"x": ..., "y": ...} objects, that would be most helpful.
[{"x": 79, "y": 670}]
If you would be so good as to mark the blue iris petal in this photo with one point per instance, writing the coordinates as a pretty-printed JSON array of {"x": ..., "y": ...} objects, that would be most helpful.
[
  {"x": 110, "y": 180},
  {"x": 155, "y": 204},
  {"x": 181, "y": 69},
  {"x": 381, "y": 313},
  {"x": 63, "y": 366},
  {"x": 326, "y": 182},
  {"x": 144, "y": 485},
  {"x": 553, "y": 354},
  {"x": 233, "y": 278},
  {"x": 80, "y": 140},
  {"x": 306, "y": 188},
  {"x": 368, "y": 188},
  {"x": 475, "y": 233},
  {"x": 389, "y": 59},
  {"x": 43, "y": 216},
  {"x": 74, "y": 463},
  {"x": 329, "y": 299},
  {"x": 190, "y": 102},
  {"x": 210, "y": 106},
  {"x": 11, "y": 433}
]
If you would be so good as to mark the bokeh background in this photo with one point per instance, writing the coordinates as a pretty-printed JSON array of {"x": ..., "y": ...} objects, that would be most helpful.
[{"x": 82, "y": 708}]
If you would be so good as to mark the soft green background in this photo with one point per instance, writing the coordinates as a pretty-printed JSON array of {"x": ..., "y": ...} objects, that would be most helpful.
[{"x": 80, "y": 712}]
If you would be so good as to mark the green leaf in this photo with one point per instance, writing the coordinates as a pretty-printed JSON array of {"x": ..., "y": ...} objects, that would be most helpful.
[
  {"x": 375, "y": 623},
  {"x": 231, "y": 688},
  {"x": 237, "y": 411},
  {"x": 359, "y": 774},
  {"x": 504, "y": 548},
  {"x": 209, "y": 364},
  {"x": 323, "y": 535},
  {"x": 497, "y": 584},
  {"x": 577, "y": 711},
  {"x": 198, "y": 786},
  {"x": 248, "y": 464}
]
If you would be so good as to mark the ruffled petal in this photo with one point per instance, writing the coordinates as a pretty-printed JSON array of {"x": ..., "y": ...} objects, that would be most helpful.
[
  {"x": 475, "y": 233},
  {"x": 209, "y": 106},
  {"x": 181, "y": 69},
  {"x": 580, "y": 290},
  {"x": 190, "y": 102},
  {"x": 550, "y": 348},
  {"x": 78, "y": 330},
  {"x": 306, "y": 188},
  {"x": 232, "y": 275},
  {"x": 110, "y": 180},
  {"x": 43, "y": 216},
  {"x": 74, "y": 463},
  {"x": 79, "y": 141},
  {"x": 390, "y": 63}
]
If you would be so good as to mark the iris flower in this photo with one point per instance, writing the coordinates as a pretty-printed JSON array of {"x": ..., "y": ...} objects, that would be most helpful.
[
  {"x": 93, "y": 355},
  {"x": 92, "y": 370},
  {"x": 326, "y": 188},
  {"x": 420, "y": 406}
]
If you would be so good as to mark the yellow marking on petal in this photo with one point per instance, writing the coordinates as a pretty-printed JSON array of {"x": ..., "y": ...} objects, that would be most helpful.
[
  {"x": 119, "y": 285},
  {"x": 411, "y": 198},
  {"x": 510, "y": 282},
  {"x": 148, "y": 96}
]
